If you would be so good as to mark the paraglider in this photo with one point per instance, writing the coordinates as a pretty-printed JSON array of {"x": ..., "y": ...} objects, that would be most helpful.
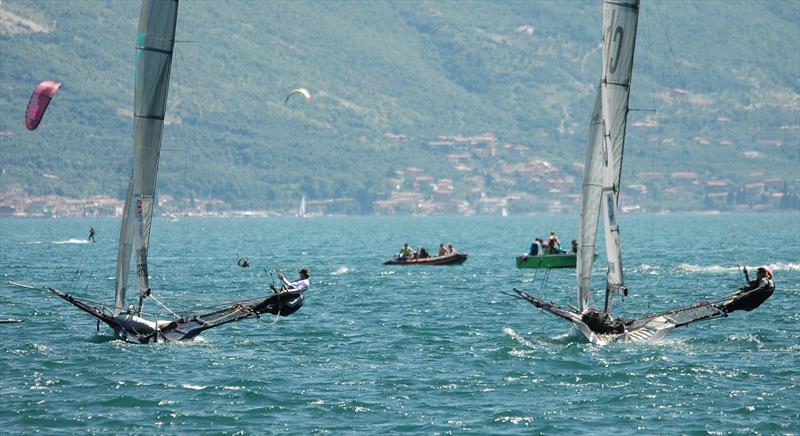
[
  {"x": 40, "y": 98},
  {"x": 298, "y": 91}
]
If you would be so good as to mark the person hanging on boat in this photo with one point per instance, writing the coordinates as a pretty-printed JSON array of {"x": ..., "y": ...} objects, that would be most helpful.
[
  {"x": 442, "y": 249},
  {"x": 753, "y": 293},
  {"x": 301, "y": 284},
  {"x": 91, "y": 233}
]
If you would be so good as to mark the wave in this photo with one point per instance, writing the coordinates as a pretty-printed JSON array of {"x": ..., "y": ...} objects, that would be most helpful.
[
  {"x": 74, "y": 241},
  {"x": 707, "y": 268},
  {"x": 343, "y": 270},
  {"x": 780, "y": 266}
]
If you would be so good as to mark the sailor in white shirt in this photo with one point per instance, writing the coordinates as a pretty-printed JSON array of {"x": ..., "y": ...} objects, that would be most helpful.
[{"x": 301, "y": 284}]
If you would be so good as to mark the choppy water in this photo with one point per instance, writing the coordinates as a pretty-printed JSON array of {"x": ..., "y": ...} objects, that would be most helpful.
[{"x": 380, "y": 349}]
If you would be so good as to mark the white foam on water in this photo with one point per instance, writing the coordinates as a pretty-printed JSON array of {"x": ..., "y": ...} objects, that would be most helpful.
[
  {"x": 343, "y": 270},
  {"x": 74, "y": 241}
]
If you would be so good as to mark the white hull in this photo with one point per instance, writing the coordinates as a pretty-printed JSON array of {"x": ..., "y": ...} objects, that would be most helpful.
[{"x": 652, "y": 332}]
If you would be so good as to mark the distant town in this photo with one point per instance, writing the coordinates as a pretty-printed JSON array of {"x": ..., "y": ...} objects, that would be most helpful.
[{"x": 497, "y": 188}]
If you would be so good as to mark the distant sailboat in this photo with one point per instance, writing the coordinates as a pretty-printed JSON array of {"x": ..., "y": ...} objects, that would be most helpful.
[
  {"x": 601, "y": 185},
  {"x": 154, "y": 45},
  {"x": 301, "y": 211}
]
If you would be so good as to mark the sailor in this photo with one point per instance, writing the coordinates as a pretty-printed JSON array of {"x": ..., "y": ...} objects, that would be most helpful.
[
  {"x": 406, "y": 251},
  {"x": 301, "y": 284},
  {"x": 574, "y": 249},
  {"x": 91, "y": 234},
  {"x": 753, "y": 293}
]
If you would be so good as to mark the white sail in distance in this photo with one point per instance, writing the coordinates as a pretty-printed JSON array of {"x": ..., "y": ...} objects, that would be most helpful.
[
  {"x": 619, "y": 39},
  {"x": 154, "y": 45}
]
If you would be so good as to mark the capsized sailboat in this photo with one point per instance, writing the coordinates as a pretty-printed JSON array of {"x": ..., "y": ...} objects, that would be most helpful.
[
  {"x": 601, "y": 186},
  {"x": 154, "y": 45}
]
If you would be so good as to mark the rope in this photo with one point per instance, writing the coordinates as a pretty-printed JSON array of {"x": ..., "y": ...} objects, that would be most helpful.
[{"x": 163, "y": 306}]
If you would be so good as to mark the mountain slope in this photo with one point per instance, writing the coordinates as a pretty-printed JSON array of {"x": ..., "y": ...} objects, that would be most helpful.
[{"x": 726, "y": 97}]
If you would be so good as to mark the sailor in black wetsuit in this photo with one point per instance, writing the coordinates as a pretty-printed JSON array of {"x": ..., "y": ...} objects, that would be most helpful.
[{"x": 753, "y": 293}]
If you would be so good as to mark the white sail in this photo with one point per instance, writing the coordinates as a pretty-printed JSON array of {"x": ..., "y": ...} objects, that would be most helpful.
[
  {"x": 590, "y": 204},
  {"x": 124, "y": 252},
  {"x": 302, "y": 209},
  {"x": 619, "y": 39},
  {"x": 154, "y": 45}
]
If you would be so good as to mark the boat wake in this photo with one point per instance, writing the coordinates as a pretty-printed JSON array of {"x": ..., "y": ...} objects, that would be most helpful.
[
  {"x": 342, "y": 270},
  {"x": 780, "y": 266},
  {"x": 73, "y": 241}
]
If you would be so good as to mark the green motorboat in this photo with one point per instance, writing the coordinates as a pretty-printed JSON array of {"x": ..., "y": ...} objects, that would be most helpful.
[{"x": 560, "y": 260}]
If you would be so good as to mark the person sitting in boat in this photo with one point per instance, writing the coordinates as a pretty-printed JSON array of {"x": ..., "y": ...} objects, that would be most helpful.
[
  {"x": 451, "y": 249},
  {"x": 301, "y": 284},
  {"x": 442, "y": 250},
  {"x": 536, "y": 248},
  {"x": 405, "y": 252},
  {"x": 553, "y": 243},
  {"x": 753, "y": 293},
  {"x": 574, "y": 249},
  {"x": 422, "y": 253}
]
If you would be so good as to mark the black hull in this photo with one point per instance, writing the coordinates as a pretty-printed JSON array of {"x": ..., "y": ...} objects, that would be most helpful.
[
  {"x": 451, "y": 259},
  {"x": 137, "y": 330}
]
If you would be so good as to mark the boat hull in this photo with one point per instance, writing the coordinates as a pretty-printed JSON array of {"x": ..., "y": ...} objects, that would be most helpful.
[
  {"x": 142, "y": 331},
  {"x": 566, "y": 260},
  {"x": 450, "y": 259},
  {"x": 646, "y": 329}
]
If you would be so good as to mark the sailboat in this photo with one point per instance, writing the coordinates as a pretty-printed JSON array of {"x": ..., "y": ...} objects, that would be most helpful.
[
  {"x": 601, "y": 187},
  {"x": 154, "y": 46}
]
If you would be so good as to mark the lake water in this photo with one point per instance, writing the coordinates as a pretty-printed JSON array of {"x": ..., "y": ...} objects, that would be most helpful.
[{"x": 385, "y": 349}]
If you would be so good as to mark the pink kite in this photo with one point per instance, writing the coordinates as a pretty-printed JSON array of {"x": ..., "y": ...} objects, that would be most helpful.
[{"x": 38, "y": 104}]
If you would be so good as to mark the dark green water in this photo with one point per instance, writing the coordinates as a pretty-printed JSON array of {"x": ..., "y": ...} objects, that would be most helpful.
[{"x": 380, "y": 349}]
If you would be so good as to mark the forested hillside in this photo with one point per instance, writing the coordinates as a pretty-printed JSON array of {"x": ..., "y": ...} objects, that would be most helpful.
[{"x": 401, "y": 85}]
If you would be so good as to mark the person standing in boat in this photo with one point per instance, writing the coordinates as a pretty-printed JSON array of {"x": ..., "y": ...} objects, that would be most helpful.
[
  {"x": 301, "y": 284},
  {"x": 553, "y": 243},
  {"x": 753, "y": 293},
  {"x": 91, "y": 233}
]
